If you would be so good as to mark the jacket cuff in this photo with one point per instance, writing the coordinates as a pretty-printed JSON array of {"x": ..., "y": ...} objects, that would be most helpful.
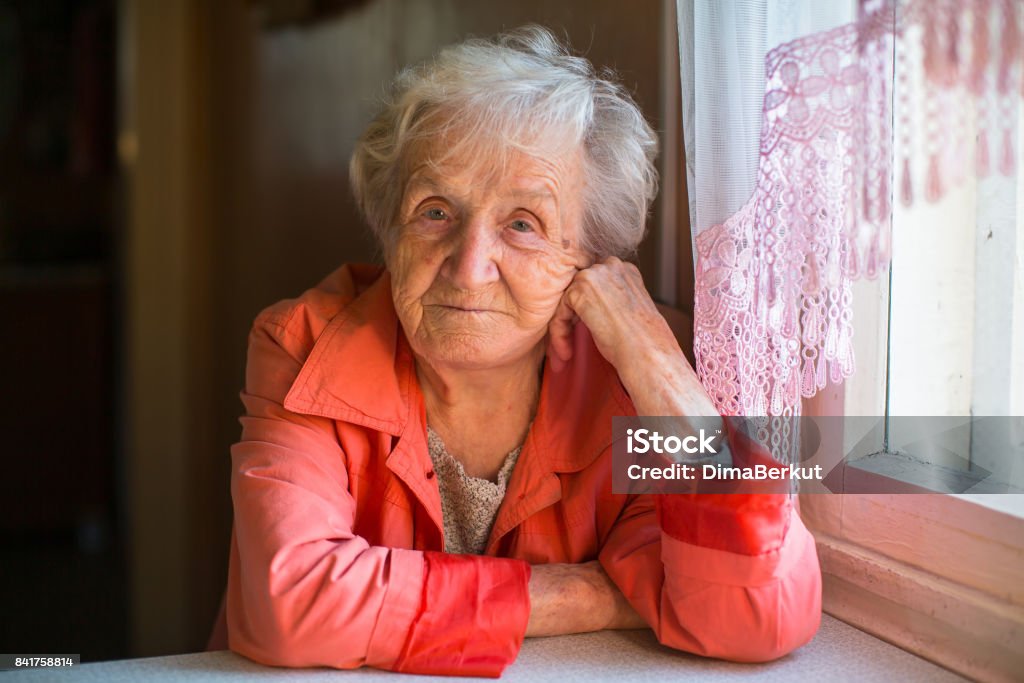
[
  {"x": 728, "y": 567},
  {"x": 742, "y": 523},
  {"x": 400, "y": 607},
  {"x": 472, "y": 618}
]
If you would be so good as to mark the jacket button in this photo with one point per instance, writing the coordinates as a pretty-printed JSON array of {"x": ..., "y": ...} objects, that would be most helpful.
[{"x": 430, "y": 474}]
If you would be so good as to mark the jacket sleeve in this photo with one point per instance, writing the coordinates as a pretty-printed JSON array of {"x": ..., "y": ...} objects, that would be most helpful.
[
  {"x": 731, "y": 576},
  {"x": 304, "y": 590}
]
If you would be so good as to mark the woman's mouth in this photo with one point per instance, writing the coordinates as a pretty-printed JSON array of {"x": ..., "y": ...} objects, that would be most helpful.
[
  {"x": 467, "y": 310},
  {"x": 460, "y": 309}
]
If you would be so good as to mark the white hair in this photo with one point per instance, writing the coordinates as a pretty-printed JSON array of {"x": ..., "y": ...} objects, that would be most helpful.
[{"x": 520, "y": 91}]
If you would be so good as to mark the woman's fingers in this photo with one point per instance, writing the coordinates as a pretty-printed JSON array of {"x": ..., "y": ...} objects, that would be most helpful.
[{"x": 610, "y": 299}]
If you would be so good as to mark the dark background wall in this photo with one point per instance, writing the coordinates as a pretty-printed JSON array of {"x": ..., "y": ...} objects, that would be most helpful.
[
  {"x": 232, "y": 122},
  {"x": 62, "y": 567}
]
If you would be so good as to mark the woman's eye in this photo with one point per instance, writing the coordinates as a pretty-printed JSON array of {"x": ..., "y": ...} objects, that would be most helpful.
[
  {"x": 521, "y": 226},
  {"x": 436, "y": 214}
]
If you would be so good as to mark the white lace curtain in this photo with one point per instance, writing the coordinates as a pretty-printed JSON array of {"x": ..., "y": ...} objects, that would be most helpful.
[{"x": 805, "y": 125}]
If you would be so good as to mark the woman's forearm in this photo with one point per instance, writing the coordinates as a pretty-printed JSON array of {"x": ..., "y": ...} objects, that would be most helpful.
[
  {"x": 661, "y": 382},
  {"x": 576, "y": 598}
]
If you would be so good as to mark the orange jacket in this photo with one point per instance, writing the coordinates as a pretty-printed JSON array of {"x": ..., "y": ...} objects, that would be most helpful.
[{"x": 337, "y": 549}]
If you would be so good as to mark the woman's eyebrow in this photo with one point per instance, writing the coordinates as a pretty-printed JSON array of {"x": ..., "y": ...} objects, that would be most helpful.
[
  {"x": 542, "y": 198},
  {"x": 541, "y": 194},
  {"x": 425, "y": 182}
]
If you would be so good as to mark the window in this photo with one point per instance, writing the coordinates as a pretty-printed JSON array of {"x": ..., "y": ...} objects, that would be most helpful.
[
  {"x": 943, "y": 336},
  {"x": 940, "y": 575}
]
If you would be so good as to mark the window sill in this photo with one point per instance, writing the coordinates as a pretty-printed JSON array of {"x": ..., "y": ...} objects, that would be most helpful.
[
  {"x": 937, "y": 575},
  {"x": 906, "y": 471}
]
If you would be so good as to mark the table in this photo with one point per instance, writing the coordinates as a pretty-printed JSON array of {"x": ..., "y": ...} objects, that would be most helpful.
[{"x": 838, "y": 653}]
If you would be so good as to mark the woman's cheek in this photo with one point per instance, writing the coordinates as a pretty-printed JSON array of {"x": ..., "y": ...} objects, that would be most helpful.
[
  {"x": 414, "y": 266},
  {"x": 543, "y": 279},
  {"x": 559, "y": 268}
]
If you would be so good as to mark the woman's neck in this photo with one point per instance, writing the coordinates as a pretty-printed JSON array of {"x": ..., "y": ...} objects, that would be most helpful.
[{"x": 481, "y": 415}]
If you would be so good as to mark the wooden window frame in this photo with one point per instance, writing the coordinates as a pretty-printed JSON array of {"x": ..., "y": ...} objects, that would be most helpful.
[{"x": 939, "y": 575}]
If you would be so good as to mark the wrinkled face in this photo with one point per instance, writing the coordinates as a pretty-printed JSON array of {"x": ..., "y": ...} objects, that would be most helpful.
[{"x": 479, "y": 263}]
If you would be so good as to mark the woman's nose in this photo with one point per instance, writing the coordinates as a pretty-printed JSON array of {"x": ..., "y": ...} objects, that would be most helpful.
[{"x": 472, "y": 261}]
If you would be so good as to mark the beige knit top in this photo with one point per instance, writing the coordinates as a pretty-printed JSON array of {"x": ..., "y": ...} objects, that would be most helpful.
[{"x": 468, "y": 504}]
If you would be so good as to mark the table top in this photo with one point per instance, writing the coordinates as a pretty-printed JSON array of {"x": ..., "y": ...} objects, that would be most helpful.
[{"x": 838, "y": 653}]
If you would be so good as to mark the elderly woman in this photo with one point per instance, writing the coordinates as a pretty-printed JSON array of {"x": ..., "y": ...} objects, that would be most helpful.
[{"x": 424, "y": 473}]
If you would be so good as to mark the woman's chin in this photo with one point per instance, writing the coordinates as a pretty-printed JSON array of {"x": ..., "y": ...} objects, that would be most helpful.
[{"x": 468, "y": 351}]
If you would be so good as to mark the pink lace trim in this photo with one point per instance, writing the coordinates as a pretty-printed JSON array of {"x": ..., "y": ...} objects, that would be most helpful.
[{"x": 773, "y": 318}]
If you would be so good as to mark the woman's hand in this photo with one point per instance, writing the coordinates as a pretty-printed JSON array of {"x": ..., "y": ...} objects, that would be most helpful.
[
  {"x": 576, "y": 598},
  {"x": 629, "y": 331},
  {"x": 610, "y": 298}
]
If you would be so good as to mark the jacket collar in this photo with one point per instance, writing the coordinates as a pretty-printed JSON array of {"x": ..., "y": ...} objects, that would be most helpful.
[
  {"x": 361, "y": 370},
  {"x": 358, "y": 371}
]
